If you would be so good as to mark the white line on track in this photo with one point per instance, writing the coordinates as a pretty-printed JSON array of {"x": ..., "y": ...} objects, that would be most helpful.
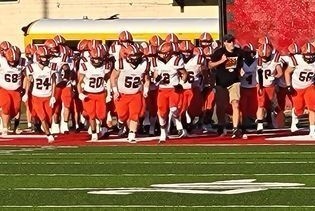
[
  {"x": 157, "y": 175},
  {"x": 156, "y": 206},
  {"x": 165, "y": 153},
  {"x": 90, "y": 188},
  {"x": 160, "y": 162}
]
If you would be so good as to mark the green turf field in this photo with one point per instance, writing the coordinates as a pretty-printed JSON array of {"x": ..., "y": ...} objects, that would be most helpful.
[{"x": 60, "y": 178}]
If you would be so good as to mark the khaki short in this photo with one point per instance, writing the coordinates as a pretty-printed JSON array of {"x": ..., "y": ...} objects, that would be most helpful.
[{"x": 227, "y": 95}]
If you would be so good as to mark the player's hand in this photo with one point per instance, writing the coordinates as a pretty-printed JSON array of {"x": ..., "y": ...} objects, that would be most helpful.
[
  {"x": 82, "y": 96},
  {"x": 108, "y": 98},
  {"x": 116, "y": 95},
  {"x": 290, "y": 90},
  {"x": 52, "y": 102},
  {"x": 25, "y": 98}
]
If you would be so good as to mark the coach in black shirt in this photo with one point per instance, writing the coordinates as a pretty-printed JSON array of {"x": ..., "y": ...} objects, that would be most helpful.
[{"x": 227, "y": 62}]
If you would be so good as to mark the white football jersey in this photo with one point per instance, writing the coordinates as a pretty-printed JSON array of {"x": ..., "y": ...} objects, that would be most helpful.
[
  {"x": 114, "y": 51},
  {"x": 60, "y": 61},
  {"x": 169, "y": 72},
  {"x": 248, "y": 80},
  {"x": 94, "y": 81},
  {"x": 42, "y": 80},
  {"x": 130, "y": 77},
  {"x": 303, "y": 74},
  {"x": 194, "y": 74},
  {"x": 269, "y": 70},
  {"x": 11, "y": 77},
  {"x": 153, "y": 64}
]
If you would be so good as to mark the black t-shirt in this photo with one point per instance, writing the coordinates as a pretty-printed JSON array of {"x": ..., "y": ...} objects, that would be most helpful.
[{"x": 228, "y": 72}]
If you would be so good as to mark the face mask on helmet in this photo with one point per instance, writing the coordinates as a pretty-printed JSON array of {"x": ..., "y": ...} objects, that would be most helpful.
[
  {"x": 44, "y": 60},
  {"x": 96, "y": 61},
  {"x": 55, "y": 51},
  {"x": 205, "y": 43},
  {"x": 187, "y": 54},
  {"x": 164, "y": 56},
  {"x": 309, "y": 58},
  {"x": 134, "y": 59}
]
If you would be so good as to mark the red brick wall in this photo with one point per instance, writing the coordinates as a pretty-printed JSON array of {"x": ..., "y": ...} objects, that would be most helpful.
[{"x": 283, "y": 21}]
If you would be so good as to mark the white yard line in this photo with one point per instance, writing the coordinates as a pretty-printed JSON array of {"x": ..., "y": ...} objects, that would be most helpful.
[
  {"x": 157, "y": 206},
  {"x": 157, "y": 175},
  {"x": 93, "y": 188},
  {"x": 165, "y": 153},
  {"x": 160, "y": 162}
]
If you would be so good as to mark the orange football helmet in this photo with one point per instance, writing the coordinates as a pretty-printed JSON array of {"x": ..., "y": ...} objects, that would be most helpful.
[
  {"x": 171, "y": 38},
  {"x": 156, "y": 40},
  {"x": 265, "y": 50},
  {"x": 83, "y": 45},
  {"x": 125, "y": 36},
  {"x": 12, "y": 56},
  {"x": 94, "y": 43},
  {"x": 4, "y": 46},
  {"x": 30, "y": 50},
  {"x": 43, "y": 55},
  {"x": 294, "y": 49},
  {"x": 60, "y": 39},
  {"x": 52, "y": 46}
]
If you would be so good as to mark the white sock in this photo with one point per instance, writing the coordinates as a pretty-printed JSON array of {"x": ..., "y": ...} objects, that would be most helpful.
[
  {"x": 178, "y": 123},
  {"x": 260, "y": 126},
  {"x": 312, "y": 129}
]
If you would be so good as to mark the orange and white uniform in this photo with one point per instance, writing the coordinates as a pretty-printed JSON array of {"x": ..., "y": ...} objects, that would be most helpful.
[
  {"x": 63, "y": 93},
  {"x": 167, "y": 97},
  {"x": 10, "y": 86},
  {"x": 42, "y": 89},
  {"x": 193, "y": 86},
  {"x": 248, "y": 101},
  {"x": 303, "y": 82},
  {"x": 269, "y": 70},
  {"x": 130, "y": 85},
  {"x": 94, "y": 87}
]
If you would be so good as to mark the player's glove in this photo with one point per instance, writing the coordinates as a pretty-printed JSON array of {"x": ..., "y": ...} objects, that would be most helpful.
[
  {"x": 290, "y": 90},
  {"x": 52, "y": 102},
  {"x": 82, "y": 96}
]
